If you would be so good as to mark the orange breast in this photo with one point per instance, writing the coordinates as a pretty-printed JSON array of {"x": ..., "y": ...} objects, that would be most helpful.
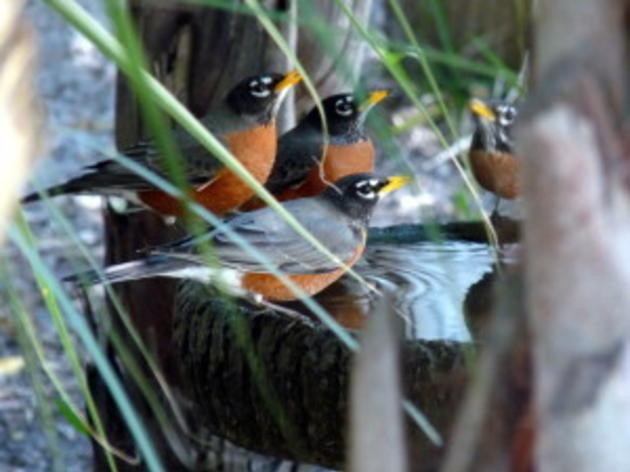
[
  {"x": 255, "y": 148},
  {"x": 273, "y": 289},
  {"x": 497, "y": 172},
  {"x": 338, "y": 162}
]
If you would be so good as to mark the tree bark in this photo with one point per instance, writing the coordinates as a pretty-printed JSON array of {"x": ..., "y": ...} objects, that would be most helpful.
[
  {"x": 573, "y": 139},
  {"x": 295, "y": 406}
]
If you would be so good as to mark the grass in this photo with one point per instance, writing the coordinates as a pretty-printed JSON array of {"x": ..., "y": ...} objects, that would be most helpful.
[{"x": 444, "y": 72}]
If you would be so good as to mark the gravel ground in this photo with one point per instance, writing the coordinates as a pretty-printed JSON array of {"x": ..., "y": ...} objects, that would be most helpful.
[{"x": 77, "y": 87}]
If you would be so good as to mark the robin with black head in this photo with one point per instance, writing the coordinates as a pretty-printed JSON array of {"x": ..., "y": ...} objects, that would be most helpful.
[
  {"x": 306, "y": 164},
  {"x": 491, "y": 154},
  {"x": 244, "y": 122},
  {"x": 338, "y": 217}
]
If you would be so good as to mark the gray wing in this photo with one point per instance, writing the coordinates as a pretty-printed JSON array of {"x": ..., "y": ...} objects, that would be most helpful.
[
  {"x": 199, "y": 165},
  {"x": 299, "y": 151},
  {"x": 274, "y": 239},
  {"x": 108, "y": 176}
]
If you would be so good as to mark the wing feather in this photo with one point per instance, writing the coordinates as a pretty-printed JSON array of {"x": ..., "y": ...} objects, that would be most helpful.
[{"x": 274, "y": 239}]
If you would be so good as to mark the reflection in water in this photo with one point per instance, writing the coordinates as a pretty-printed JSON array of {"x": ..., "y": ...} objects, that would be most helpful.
[{"x": 427, "y": 281}]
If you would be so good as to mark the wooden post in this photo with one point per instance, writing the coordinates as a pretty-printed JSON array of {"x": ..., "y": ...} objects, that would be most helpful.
[{"x": 296, "y": 405}]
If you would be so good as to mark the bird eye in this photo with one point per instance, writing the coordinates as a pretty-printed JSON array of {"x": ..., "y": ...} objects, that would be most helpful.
[
  {"x": 366, "y": 189},
  {"x": 343, "y": 108},
  {"x": 508, "y": 114},
  {"x": 259, "y": 89}
]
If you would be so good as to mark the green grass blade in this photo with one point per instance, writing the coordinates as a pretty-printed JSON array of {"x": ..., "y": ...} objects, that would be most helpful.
[
  {"x": 399, "y": 74},
  {"x": 68, "y": 413},
  {"x": 99, "y": 358},
  {"x": 200, "y": 211},
  {"x": 23, "y": 325},
  {"x": 64, "y": 336}
]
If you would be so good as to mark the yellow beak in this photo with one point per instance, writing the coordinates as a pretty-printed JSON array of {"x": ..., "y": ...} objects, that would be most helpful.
[
  {"x": 479, "y": 108},
  {"x": 394, "y": 182},
  {"x": 291, "y": 78},
  {"x": 375, "y": 97}
]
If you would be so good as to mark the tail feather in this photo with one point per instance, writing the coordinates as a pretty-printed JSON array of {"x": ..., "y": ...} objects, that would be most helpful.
[
  {"x": 82, "y": 184},
  {"x": 105, "y": 177},
  {"x": 63, "y": 189},
  {"x": 153, "y": 266}
]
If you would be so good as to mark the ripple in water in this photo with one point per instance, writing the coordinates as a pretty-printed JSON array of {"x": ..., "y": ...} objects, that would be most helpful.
[{"x": 427, "y": 282}]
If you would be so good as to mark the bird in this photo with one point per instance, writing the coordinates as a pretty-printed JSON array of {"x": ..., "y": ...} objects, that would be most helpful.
[
  {"x": 338, "y": 217},
  {"x": 491, "y": 154},
  {"x": 245, "y": 123},
  {"x": 304, "y": 165}
]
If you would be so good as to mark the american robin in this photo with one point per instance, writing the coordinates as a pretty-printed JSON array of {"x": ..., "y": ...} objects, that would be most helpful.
[
  {"x": 244, "y": 121},
  {"x": 304, "y": 166},
  {"x": 491, "y": 154},
  {"x": 338, "y": 218}
]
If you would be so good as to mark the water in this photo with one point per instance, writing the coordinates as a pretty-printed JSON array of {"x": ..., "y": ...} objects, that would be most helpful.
[{"x": 428, "y": 284}]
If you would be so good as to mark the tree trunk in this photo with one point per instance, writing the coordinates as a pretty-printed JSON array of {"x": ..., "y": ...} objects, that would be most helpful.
[
  {"x": 280, "y": 387},
  {"x": 574, "y": 140}
]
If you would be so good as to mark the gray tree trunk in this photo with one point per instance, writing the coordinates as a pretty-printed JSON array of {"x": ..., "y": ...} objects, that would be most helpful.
[{"x": 575, "y": 142}]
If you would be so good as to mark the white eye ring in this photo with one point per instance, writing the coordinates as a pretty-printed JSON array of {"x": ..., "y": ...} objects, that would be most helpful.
[
  {"x": 343, "y": 111},
  {"x": 370, "y": 195},
  {"x": 266, "y": 80},
  {"x": 259, "y": 93},
  {"x": 506, "y": 115},
  {"x": 367, "y": 193}
]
